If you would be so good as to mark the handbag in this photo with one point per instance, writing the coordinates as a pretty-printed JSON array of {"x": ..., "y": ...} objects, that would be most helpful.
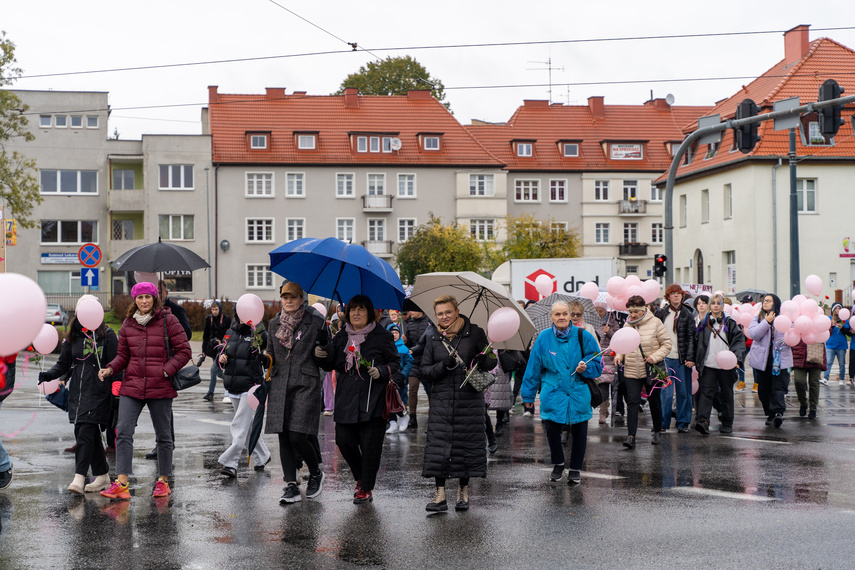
[
  {"x": 187, "y": 376},
  {"x": 394, "y": 404},
  {"x": 593, "y": 386},
  {"x": 59, "y": 398},
  {"x": 478, "y": 379},
  {"x": 815, "y": 353}
]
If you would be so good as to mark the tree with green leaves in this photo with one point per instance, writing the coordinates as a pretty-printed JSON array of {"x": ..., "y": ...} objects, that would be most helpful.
[
  {"x": 393, "y": 76},
  {"x": 530, "y": 238},
  {"x": 436, "y": 247},
  {"x": 19, "y": 187}
]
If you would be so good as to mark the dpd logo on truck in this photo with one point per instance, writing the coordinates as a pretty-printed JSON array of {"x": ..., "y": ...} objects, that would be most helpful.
[{"x": 531, "y": 290}]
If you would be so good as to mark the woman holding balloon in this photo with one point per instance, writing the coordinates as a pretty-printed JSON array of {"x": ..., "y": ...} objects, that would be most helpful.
[
  {"x": 771, "y": 358},
  {"x": 720, "y": 350}
]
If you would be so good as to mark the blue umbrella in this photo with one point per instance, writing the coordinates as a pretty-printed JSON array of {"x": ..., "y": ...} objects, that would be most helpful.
[{"x": 334, "y": 269}]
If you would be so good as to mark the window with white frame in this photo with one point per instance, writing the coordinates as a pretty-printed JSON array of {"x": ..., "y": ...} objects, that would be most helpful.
[
  {"x": 374, "y": 144},
  {"x": 728, "y": 201},
  {"x": 482, "y": 230},
  {"x": 524, "y": 149},
  {"x": 176, "y": 177},
  {"x": 657, "y": 232},
  {"x": 601, "y": 232},
  {"x": 296, "y": 228},
  {"x": 306, "y": 142},
  {"x": 69, "y": 232},
  {"x": 406, "y": 186},
  {"x": 705, "y": 206},
  {"x": 344, "y": 229},
  {"x": 655, "y": 193},
  {"x": 730, "y": 264},
  {"x": 258, "y": 277},
  {"x": 258, "y": 142},
  {"x": 376, "y": 229},
  {"x": 175, "y": 227},
  {"x": 387, "y": 144},
  {"x": 361, "y": 144},
  {"x": 571, "y": 149},
  {"x": 632, "y": 270},
  {"x": 601, "y": 190},
  {"x": 527, "y": 191},
  {"x": 259, "y": 184},
  {"x": 406, "y": 229},
  {"x": 45, "y": 121},
  {"x": 259, "y": 230},
  {"x": 60, "y": 121},
  {"x": 806, "y": 194},
  {"x": 91, "y": 121},
  {"x": 431, "y": 143},
  {"x": 344, "y": 185},
  {"x": 630, "y": 189},
  {"x": 123, "y": 179},
  {"x": 69, "y": 181},
  {"x": 294, "y": 185},
  {"x": 60, "y": 282},
  {"x": 376, "y": 184},
  {"x": 76, "y": 121},
  {"x": 682, "y": 209},
  {"x": 559, "y": 226},
  {"x": 481, "y": 185},
  {"x": 630, "y": 233},
  {"x": 557, "y": 190}
]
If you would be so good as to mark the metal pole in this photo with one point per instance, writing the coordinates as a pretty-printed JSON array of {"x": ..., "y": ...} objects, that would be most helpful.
[
  {"x": 795, "y": 277},
  {"x": 208, "y": 212}
]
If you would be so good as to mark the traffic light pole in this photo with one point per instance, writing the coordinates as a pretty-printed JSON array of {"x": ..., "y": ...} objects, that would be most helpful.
[
  {"x": 795, "y": 275},
  {"x": 711, "y": 129}
]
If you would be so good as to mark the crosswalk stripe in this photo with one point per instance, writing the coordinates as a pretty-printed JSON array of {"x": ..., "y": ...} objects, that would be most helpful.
[
  {"x": 757, "y": 439},
  {"x": 722, "y": 494}
]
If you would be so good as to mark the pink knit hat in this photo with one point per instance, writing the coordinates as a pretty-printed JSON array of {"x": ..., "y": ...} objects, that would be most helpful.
[{"x": 144, "y": 289}]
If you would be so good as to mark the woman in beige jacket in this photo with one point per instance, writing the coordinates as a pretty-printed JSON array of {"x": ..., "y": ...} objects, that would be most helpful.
[{"x": 655, "y": 346}]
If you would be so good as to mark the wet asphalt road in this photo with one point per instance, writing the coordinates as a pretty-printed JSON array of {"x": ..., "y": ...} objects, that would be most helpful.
[{"x": 764, "y": 498}]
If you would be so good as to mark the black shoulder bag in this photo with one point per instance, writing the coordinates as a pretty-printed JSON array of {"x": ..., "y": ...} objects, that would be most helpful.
[
  {"x": 187, "y": 376},
  {"x": 596, "y": 395}
]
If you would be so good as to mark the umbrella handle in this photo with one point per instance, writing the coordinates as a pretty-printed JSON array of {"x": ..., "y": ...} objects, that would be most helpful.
[{"x": 269, "y": 367}]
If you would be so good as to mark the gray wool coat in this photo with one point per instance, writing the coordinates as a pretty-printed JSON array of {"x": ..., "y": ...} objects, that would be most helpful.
[{"x": 294, "y": 402}]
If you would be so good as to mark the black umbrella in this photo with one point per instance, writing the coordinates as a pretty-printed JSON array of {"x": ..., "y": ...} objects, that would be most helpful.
[
  {"x": 258, "y": 420},
  {"x": 157, "y": 257}
]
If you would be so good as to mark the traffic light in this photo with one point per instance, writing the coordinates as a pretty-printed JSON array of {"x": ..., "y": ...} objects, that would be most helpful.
[
  {"x": 746, "y": 135},
  {"x": 829, "y": 118},
  {"x": 659, "y": 267}
]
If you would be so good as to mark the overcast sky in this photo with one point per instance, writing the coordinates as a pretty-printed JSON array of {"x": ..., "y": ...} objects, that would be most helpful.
[{"x": 57, "y": 36}]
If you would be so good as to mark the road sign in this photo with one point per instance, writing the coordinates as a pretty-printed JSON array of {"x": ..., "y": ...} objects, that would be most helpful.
[
  {"x": 89, "y": 255},
  {"x": 89, "y": 278}
]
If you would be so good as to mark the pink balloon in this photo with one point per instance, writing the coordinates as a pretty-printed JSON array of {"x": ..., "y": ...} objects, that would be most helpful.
[
  {"x": 809, "y": 338},
  {"x": 782, "y": 323},
  {"x": 727, "y": 309},
  {"x": 813, "y": 284},
  {"x": 625, "y": 340},
  {"x": 823, "y": 336},
  {"x": 544, "y": 285},
  {"x": 799, "y": 299},
  {"x": 844, "y": 314},
  {"x": 746, "y": 320},
  {"x": 49, "y": 387},
  {"x": 633, "y": 290},
  {"x": 633, "y": 280},
  {"x": 616, "y": 286},
  {"x": 790, "y": 309},
  {"x": 90, "y": 313},
  {"x": 852, "y": 322},
  {"x": 821, "y": 323},
  {"x": 808, "y": 307},
  {"x": 321, "y": 308},
  {"x": 251, "y": 399},
  {"x": 610, "y": 301},
  {"x": 589, "y": 290},
  {"x": 46, "y": 340},
  {"x": 650, "y": 290},
  {"x": 619, "y": 303},
  {"x": 803, "y": 324},
  {"x": 503, "y": 324},
  {"x": 726, "y": 360},
  {"x": 695, "y": 384},
  {"x": 23, "y": 303},
  {"x": 755, "y": 310},
  {"x": 746, "y": 331},
  {"x": 792, "y": 337},
  {"x": 719, "y": 292},
  {"x": 250, "y": 309},
  {"x": 145, "y": 277}
]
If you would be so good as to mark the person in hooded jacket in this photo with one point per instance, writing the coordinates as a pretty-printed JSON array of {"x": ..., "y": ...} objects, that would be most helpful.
[
  {"x": 417, "y": 324},
  {"x": 399, "y": 422},
  {"x": 217, "y": 325},
  {"x": 242, "y": 360},
  {"x": 771, "y": 358},
  {"x": 89, "y": 399},
  {"x": 835, "y": 346}
]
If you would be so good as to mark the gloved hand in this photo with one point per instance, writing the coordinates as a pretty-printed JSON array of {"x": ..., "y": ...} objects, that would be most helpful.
[
  {"x": 480, "y": 360},
  {"x": 374, "y": 373},
  {"x": 450, "y": 361},
  {"x": 320, "y": 352},
  {"x": 44, "y": 377}
]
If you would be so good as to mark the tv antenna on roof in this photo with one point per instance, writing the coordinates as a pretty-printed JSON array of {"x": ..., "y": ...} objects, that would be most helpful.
[{"x": 549, "y": 67}]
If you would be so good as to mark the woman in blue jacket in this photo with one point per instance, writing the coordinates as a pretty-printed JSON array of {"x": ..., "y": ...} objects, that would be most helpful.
[
  {"x": 557, "y": 362},
  {"x": 835, "y": 346}
]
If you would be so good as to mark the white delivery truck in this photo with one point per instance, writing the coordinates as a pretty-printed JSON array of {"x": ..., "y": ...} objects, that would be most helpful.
[{"x": 568, "y": 274}]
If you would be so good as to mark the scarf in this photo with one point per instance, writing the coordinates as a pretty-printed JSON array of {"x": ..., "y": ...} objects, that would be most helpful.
[
  {"x": 142, "y": 319},
  {"x": 561, "y": 334},
  {"x": 676, "y": 313},
  {"x": 287, "y": 325},
  {"x": 452, "y": 329},
  {"x": 355, "y": 338}
]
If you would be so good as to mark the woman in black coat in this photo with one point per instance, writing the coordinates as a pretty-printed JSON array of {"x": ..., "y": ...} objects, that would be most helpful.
[
  {"x": 456, "y": 438},
  {"x": 217, "y": 325},
  {"x": 365, "y": 360},
  {"x": 89, "y": 399}
]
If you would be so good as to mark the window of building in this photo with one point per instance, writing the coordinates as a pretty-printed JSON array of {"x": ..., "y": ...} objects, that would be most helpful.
[
  {"x": 557, "y": 190},
  {"x": 259, "y": 230},
  {"x": 630, "y": 233},
  {"x": 344, "y": 229},
  {"x": 306, "y": 142},
  {"x": 69, "y": 181},
  {"x": 682, "y": 210},
  {"x": 296, "y": 228},
  {"x": 806, "y": 195},
  {"x": 601, "y": 232},
  {"x": 258, "y": 142},
  {"x": 431, "y": 143},
  {"x": 406, "y": 186},
  {"x": 406, "y": 229},
  {"x": 178, "y": 281},
  {"x": 259, "y": 184},
  {"x": 657, "y": 232},
  {"x": 71, "y": 232},
  {"x": 344, "y": 185},
  {"x": 482, "y": 230},
  {"x": 376, "y": 184},
  {"x": 60, "y": 282},
  {"x": 730, "y": 264},
  {"x": 76, "y": 121},
  {"x": 810, "y": 133},
  {"x": 527, "y": 191},
  {"x": 175, "y": 227},
  {"x": 524, "y": 149},
  {"x": 258, "y": 277},
  {"x": 387, "y": 144},
  {"x": 728, "y": 201},
  {"x": 176, "y": 176},
  {"x": 655, "y": 193},
  {"x": 559, "y": 226},
  {"x": 632, "y": 270},
  {"x": 601, "y": 190},
  {"x": 61, "y": 121},
  {"x": 376, "y": 229},
  {"x": 630, "y": 189},
  {"x": 374, "y": 144},
  {"x": 91, "y": 122},
  {"x": 294, "y": 186},
  {"x": 361, "y": 144},
  {"x": 712, "y": 149},
  {"x": 481, "y": 185},
  {"x": 45, "y": 121},
  {"x": 705, "y": 206},
  {"x": 123, "y": 179},
  {"x": 571, "y": 149},
  {"x": 122, "y": 229}
]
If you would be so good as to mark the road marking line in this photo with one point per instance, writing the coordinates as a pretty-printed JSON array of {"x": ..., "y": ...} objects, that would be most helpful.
[
  {"x": 757, "y": 439},
  {"x": 592, "y": 475},
  {"x": 722, "y": 494},
  {"x": 216, "y": 422}
]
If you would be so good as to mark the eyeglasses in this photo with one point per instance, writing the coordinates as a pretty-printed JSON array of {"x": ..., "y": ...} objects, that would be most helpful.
[
  {"x": 445, "y": 314},
  {"x": 576, "y": 314}
]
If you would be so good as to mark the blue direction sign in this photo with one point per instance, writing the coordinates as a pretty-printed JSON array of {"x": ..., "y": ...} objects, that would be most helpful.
[
  {"x": 89, "y": 255},
  {"x": 89, "y": 278}
]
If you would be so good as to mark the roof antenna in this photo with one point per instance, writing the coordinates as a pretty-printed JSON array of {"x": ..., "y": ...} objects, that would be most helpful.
[{"x": 548, "y": 64}]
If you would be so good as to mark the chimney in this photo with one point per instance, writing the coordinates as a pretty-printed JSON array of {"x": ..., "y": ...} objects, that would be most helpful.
[
  {"x": 299, "y": 94},
  {"x": 796, "y": 44},
  {"x": 275, "y": 92},
  {"x": 541, "y": 103},
  {"x": 419, "y": 95},
  {"x": 351, "y": 97},
  {"x": 213, "y": 96},
  {"x": 597, "y": 107}
]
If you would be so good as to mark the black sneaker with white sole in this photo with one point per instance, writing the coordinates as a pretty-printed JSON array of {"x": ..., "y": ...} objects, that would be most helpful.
[
  {"x": 315, "y": 485},
  {"x": 5, "y": 478},
  {"x": 291, "y": 495},
  {"x": 574, "y": 477},
  {"x": 557, "y": 472}
]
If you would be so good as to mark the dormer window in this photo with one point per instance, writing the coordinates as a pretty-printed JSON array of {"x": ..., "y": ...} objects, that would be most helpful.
[
  {"x": 571, "y": 149},
  {"x": 524, "y": 149},
  {"x": 258, "y": 142},
  {"x": 811, "y": 135},
  {"x": 361, "y": 144},
  {"x": 306, "y": 142},
  {"x": 431, "y": 143},
  {"x": 374, "y": 144}
]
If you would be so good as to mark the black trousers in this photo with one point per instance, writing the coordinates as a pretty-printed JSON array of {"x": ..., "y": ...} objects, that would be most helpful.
[
  {"x": 361, "y": 445},
  {"x": 292, "y": 443},
  {"x": 633, "y": 399},
  {"x": 578, "y": 442},
  {"x": 711, "y": 381},
  {"x": 772, "y": 390},
  {"x": 90, "y": 450}
]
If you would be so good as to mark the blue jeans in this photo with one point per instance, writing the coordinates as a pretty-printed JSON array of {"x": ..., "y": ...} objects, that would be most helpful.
[
  {"x": 215, "y": 371},
  {"x": 840, "y": 353},
  {"x": 5, "y": 460},
  {"x": 683, "y": 388}
]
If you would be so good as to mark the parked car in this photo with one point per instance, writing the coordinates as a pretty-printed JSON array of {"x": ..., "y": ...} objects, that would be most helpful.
[{"x": 56, "y": 315}]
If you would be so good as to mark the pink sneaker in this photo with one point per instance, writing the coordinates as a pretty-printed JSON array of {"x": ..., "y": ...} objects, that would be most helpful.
[
  {"x": 161, "y": 489},
  {"x": 117, "y": 491}
]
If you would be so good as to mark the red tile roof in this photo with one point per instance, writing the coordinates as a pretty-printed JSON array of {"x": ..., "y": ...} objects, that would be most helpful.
[
  {"x": 334, "y": 118},
  {"x": 591, "y": 126}
]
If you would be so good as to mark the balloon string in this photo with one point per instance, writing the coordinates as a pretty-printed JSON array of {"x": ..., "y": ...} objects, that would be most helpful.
[{"x": 15, "y": 433}]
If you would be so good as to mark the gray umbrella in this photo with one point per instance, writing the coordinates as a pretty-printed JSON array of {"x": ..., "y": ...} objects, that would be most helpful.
[
  {"x": 157, "y": 257},
  {"x": 540, "y": 312}
]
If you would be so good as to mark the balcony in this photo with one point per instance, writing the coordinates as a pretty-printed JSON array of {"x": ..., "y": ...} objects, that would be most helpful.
[
  {"x": 633, "y": 207},
  {"x": 121, "y": 246},
  {"x": 632, "y": 250},
  {"x": 127, "y": 200},
  {"x": 380, "y": 248},
  {"x": 377, "y": 203}
]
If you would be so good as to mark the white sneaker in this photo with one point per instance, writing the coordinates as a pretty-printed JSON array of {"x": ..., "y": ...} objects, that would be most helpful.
[
  {"x": 227, "y": 400},
  {"x": 527, "y": 415},
  {"x": 403, "y": 423},
  {"x": 328, "y": 412},
  {"x": 393, "y": 427},
  {"x": 823, "y": 381},
  {"x": 842, "y": 383}
]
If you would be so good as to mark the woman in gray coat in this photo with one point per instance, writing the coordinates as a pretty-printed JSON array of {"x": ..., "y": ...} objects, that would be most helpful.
[{"x": 294, "y": 402}]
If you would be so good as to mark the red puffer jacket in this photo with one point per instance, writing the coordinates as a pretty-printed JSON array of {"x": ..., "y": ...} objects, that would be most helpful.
[{"x": 142, "y": 354}]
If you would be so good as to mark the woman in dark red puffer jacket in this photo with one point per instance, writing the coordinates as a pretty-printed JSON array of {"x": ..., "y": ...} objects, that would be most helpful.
[{"x": 148, "y": 370}]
